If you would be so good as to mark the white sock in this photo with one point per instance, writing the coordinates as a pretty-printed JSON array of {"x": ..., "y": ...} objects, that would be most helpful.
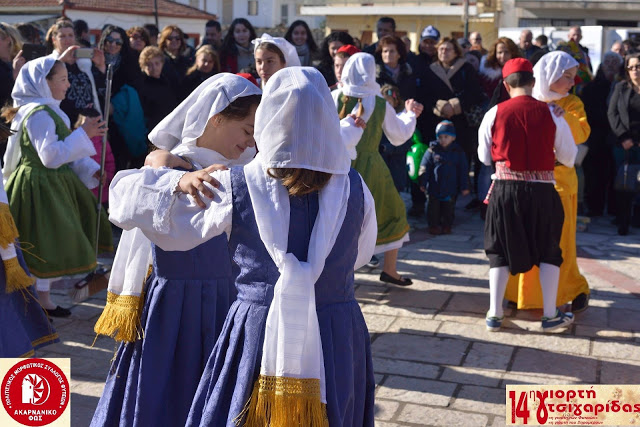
[
  {"x": 43, "y": 285},
  {"x": 549, "y": 276},
  {"x": 498, "y": 278}
]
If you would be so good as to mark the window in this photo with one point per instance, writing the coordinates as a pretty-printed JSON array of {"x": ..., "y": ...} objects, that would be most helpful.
[
  {"x": 549, "y": 22},
  {"x": 253, "y": 7},
  {"x": 284, "y": 14}
]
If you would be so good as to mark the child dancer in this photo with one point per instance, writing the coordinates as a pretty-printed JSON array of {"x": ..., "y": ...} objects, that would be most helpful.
[
  {"x": 524, "y": 216},
  {"x": 171, "y": 326},
  {"x": 48, "y": 170},
  {"x": 25, "y": 327},
  {"x": 273, "y": 54},
  {"x": 444, "y": 173},
  {"x": 294, "y": 219},
  {"x": 359, "y": 88},
  {"x": 555, "y": 74}
]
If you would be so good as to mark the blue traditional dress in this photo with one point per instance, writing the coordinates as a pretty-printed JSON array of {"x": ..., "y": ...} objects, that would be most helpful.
[
  {"x": 25, "y": 326},
  {"x": 234, "y": 365},
  {"x": 186, "y": 300}
]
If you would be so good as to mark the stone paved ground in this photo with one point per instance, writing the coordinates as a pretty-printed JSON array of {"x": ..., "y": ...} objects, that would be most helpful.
[{"x": 435, "y": 363}]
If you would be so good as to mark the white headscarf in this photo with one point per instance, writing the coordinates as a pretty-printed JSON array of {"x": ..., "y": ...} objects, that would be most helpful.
[
  {"x": 289, "y": 51},
  {"x": 547, "y": 71},
  {"x": 297, "y": 126},
  {"x": 29, "y": 91},
  {"x": 186, "y": 123},
  {"x": 359, "y": 76},
  {"x": 182, "y": 127},
  {"x": 359, "y": 80}
]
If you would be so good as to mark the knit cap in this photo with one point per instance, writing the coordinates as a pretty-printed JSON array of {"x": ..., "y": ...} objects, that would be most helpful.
[{"x": 445, "y": 127}]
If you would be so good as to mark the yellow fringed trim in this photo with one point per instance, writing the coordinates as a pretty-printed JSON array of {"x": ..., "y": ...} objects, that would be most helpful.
[
  {"x": 284, "y": 402},
  {"x": 16, "y": 277},
  {"x": 8, "y": 230},
  {"x": 120, "y": 318}
]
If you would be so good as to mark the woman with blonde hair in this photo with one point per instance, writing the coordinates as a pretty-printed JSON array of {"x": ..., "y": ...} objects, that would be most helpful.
[
  {"x": 179, "y": 55},
  {"x": 157, "y": 95},
  {"x": 11, "y": 60},
  {"x": 207, "y": 64}
]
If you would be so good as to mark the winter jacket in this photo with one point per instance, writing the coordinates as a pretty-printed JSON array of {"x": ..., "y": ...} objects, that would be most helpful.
[{"x": 444, "y": 172}]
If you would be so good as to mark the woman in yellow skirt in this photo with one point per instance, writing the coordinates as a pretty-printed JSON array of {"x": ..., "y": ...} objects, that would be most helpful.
[{"x": 555, "y": 74}]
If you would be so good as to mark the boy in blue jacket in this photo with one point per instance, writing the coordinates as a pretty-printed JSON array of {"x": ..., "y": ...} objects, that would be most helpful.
[{"x": 444, "y": 172}]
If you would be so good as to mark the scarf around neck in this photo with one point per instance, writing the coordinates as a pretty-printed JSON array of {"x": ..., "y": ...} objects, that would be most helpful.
[{"x": 304, "y": 54}]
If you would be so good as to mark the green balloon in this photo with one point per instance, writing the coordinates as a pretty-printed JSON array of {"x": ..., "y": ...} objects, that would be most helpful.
[{"x": 415, "y": 155}]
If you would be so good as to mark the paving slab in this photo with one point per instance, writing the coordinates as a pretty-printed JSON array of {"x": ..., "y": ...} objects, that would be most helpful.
[{"x": 434, "y": 361}]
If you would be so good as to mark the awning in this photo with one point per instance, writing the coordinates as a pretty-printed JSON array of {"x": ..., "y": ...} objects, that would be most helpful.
[{"x": 15, "y": 19}]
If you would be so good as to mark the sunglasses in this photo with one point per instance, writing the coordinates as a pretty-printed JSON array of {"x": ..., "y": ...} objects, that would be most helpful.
[
  {"x": 634, "y": 68},
  {"x": 112, "y": 40},
  {"x": 136, "y": 37},
  {"x": 173, "y": 38}
]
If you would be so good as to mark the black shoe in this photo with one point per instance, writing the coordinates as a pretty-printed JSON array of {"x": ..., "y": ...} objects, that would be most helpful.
[
  {"x": 580, "y": 303},
  {"x": 404, "y": 281},
  {"x": 623, "y": 231},
  {"x": 374, "y": 262},
  {"x": 473, "y": 204},
  {"x": 59, "y": 312}
]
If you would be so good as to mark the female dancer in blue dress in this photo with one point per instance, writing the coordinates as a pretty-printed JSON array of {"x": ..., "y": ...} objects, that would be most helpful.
[
  {"x": 167, "y": 341},
  {"x": 294, "y": 349},
  {"x": 23, "y": 321}
]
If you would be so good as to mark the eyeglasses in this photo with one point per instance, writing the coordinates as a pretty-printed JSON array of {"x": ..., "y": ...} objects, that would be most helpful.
[
  {"x": 634, "y": 68},
  {"x": 136, "y": 37},
  {"x": 173, "y": 38},
  {"x": 112, "y": 40}
]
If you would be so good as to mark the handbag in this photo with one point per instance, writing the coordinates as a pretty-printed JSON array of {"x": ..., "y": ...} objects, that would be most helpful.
[{"x": 628, "y": 178}]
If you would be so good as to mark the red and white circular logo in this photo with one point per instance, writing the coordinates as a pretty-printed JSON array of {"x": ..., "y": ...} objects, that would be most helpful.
[{"x": 35, "y": 392}]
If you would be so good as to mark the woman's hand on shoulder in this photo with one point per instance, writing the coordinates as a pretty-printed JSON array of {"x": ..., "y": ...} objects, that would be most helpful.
[
  {"x": 162, "y": 158},
  {"x": 627, "y": 144},
  {"x": 192, "y": 183},
  {"x": 95, "y": 126}
]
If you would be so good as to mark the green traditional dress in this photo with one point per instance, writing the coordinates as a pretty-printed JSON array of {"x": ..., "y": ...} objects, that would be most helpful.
[
  {"x": 390, "y": 209},
  {"x": 55, "y": 213}
]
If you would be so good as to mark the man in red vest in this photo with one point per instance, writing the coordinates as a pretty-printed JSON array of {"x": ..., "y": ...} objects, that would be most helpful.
[{"x": 524, "y": 214}]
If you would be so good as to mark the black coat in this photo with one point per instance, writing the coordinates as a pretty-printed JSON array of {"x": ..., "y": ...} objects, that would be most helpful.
[
  {"x": 595, "y": 96},
  {"x": 618, "y": 112},
  {"x": 158, "y": 98},
  {"x": 406, "y": 83},
  {"x": 466, "y": 87},
  {"x": 6, "y": 82},
  {"x": 191, "y": 82}
]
